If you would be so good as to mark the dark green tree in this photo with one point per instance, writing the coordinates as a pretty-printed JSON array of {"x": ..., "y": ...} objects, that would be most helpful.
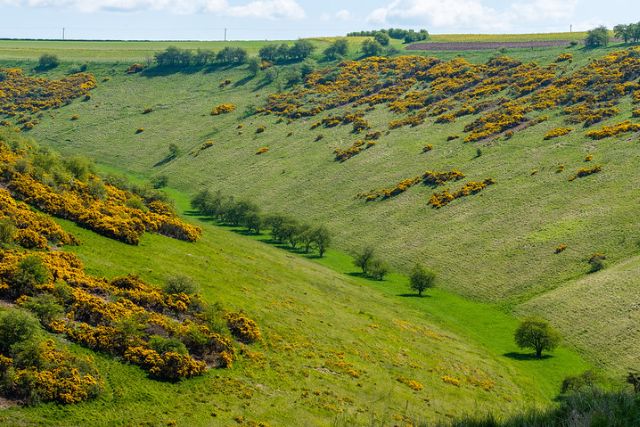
[
  {"x": 598, "y": 37},
  {"x": 382, "y": 38},
  {"x": 336, "y": 50},
  {"x": 537, "y": 334},
  {"x": 371, "y": 48},
  {"x": 421, "y": 279}
]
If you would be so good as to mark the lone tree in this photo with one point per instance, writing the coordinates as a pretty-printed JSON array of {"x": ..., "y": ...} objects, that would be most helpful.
[
  {"x": 598, "y": 37},
  {"x": 537, "y": 334},
  {"x": 422, "y": 279}
]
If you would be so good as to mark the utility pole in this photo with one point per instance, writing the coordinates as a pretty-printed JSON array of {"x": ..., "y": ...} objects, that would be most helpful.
[
  {"x": 63, "y": 33},
  {"x": 225, "y": 34}
]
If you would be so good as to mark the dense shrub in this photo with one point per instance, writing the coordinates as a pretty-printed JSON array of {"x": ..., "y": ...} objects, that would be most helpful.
[
  {"x": 243, "y": 328},
  {"x": 336, "y": 50},
  {"x": 48, "y": 61},
  {"x": 223, "y": 109},
  {"x": 597, "y": 37},
  {"x": 596, "y": 261},
  {"x": 16, "y": 326},
  {"x": 135, "y": 68},
  {"x": 371, "y": 48}
]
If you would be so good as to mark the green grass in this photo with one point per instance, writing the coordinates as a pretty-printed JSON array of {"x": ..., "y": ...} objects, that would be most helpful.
[
  {"x": 312, "y": 313},
  {"x": 141, "y": 51},
  {"x": 577, "y": 36},
  {"x": 496, "y": 247},
  {"x": 494, "y": 253}
]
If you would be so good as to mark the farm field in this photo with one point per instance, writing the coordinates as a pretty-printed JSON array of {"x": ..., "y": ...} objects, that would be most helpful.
[
  {"x": 140, "y": 51},
  {"x": 511, "y": 173}
]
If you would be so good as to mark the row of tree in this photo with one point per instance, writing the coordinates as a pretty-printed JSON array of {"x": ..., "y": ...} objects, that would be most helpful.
[
  {"x": 299, "y": 51},
  {"x": 628, "y": 33},
  {"x": 284, "y": 229},
  {"x": 408, "y": 36},
  {"x": 599, "y": 36},
  {"x": 183, "y": 58}
]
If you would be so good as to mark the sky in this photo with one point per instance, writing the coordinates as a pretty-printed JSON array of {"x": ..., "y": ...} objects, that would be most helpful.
[{"x": 292, "y": 19}]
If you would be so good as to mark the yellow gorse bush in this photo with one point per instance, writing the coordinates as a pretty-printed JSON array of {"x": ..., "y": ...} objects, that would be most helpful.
[
  {"x": 21, "y": 93},
  {"x": 422, "y": 87},
  {"x": 223, "y": 109}
]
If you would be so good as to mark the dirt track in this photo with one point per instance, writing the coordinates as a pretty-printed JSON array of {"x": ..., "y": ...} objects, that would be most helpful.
[{"x": 486, "y": 45}]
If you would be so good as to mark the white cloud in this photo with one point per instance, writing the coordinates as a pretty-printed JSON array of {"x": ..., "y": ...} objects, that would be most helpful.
[
  {"x": 272, "y": 9},
  {"x": 472, "y": 14},
  {"x": 268, "y": 9},
  {"x": 343, "y": 15}
]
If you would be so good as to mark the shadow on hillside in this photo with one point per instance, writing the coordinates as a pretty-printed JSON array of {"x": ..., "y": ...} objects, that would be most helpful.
[
  {"x": 414, "y": 296},
  {"x": 157, "y": 71},
  {"x": 363, "y": 276},
  {"x": 243, "y": 81},
  {"x": 526, "y": 356},
  {"x": 168, "y": 71},
  {"x": 164, "y": 161}
]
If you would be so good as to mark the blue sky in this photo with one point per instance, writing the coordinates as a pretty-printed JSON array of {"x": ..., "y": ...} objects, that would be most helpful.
[{"x": 290, "y": 19}]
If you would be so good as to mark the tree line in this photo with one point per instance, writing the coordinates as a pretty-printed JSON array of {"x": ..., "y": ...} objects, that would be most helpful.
[
  {"x": 408, "y": 36},
  {"x": 284, "y": 229},
  {"x": 282, "y": 53},
  {"x": 599, "y": 36}
]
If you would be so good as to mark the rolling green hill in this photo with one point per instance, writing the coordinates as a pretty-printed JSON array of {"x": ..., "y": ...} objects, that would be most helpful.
[{"x": 339, "y": 346}]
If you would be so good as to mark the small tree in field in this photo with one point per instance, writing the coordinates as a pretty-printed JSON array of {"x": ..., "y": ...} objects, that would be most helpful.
[
  {"x": 598, "y": 37},
  {"x": 364, "y": 258},
  {"x": 378, "y": 269},
  {"x": 538, "y": 335},
  {"x": 422, "y": 279}
]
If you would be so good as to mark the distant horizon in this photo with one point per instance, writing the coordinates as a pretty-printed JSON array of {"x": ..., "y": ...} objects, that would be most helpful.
[
  {"x": 258, "y": 40},
  {"x": 259, "y": 20}
]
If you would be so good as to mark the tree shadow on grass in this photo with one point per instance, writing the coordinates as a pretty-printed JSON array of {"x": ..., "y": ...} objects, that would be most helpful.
[
  {"x": 164, "y": 161},
  {"x": 526, "y": 356},
  {"x": 363, "y": 276},
  {"x": 243, "y": 81},
  {"x": 414, "y": 296}
]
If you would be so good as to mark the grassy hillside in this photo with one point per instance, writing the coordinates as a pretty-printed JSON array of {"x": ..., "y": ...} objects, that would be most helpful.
[
  {"x": 338, "y": 346},
  {"x": 505, "y": 237}
]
